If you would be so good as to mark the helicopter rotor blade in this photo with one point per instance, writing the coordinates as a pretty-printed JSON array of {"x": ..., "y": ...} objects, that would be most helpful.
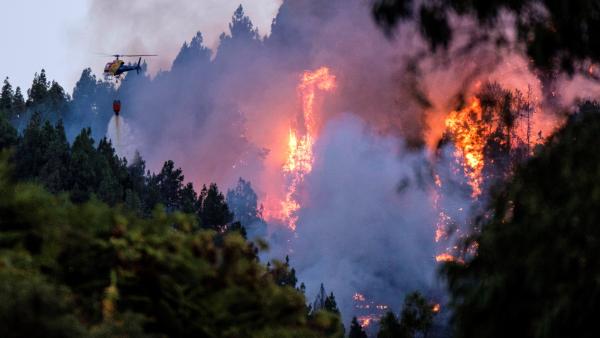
[
  {"x": 125, "y": 55},
  {"x": 136, "y": 55}
]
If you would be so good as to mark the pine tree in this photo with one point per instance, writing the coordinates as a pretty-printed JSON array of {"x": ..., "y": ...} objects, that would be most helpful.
[
  {"x": 8, "y": 133},
  {"x": 243, "y": 202},
  {"x": 18, "y": 104},
  {"x": 319, "y": 302},
  {"x": 188, "y": 199},
  {"x": 356, "y": 331},
  {"x": 112, "y": 173},
  {"x": 6, "y": 98},
  {"x": 389, "y": 327},
  {"x": 283, "y": 274},
  {"x": 417, "y": 314},
  {"x": 136, "y": 185},
  {"x": 170, "y": 183},
  {"x": 38, "y": 92},
  {"x": 84, "y": 167},
  {"x": 241, "y": 33},
  {"x": 331, "y": 304},
  {"x": 58, "y": 101},
  {"x": 193, "y": 54},
  {"x": 54, "y": 173},
  {"x": 241, "y": 26},
  {"x": 215, "y": 212},
  {"x": 30, "y": 153}
]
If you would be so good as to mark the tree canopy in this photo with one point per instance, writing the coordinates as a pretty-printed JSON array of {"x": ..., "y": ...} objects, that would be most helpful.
[
  {"x": 72, "y": 270},
  {"x": 555, "y": 34}
]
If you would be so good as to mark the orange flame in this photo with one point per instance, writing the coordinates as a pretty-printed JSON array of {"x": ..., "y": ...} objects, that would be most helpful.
[
  {"x": 365, "y": 321},
  {"x": 446, "y": 257},
  {"x": 469, "y": 133},
  {"x": 300, "y": 149}
]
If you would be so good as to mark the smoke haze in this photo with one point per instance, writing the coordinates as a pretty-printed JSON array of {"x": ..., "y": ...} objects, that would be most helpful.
[{"x": 367, "y": 222}]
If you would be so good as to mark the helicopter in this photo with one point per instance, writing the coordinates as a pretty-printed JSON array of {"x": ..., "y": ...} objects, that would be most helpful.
[{"x": 117, "y": 67}]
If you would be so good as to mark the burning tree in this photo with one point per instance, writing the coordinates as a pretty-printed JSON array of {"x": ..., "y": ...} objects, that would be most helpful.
[
  {"x": 489, "y": 137},
  {"x": 300, "y": 146},
  {"x": 535, "y": 273}
]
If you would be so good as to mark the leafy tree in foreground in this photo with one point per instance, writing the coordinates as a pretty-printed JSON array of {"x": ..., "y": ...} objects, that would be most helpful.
[
  {"x": 536, "y": 267},
  {"x": 78, "y": 270}
]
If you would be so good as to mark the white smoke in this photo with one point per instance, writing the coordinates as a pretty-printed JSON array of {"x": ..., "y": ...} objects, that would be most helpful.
[{"x": 122, "y": 137}]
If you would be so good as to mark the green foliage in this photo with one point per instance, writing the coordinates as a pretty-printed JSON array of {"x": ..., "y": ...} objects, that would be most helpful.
[
  {"x": 282, "y": 273},
  {"x": 90, "y": 270},
  {"x": 417, "y": 314},
  {"x": 416, "y": 319},
  {"x": 389, "y": 327},
  {"x": 6, "y": 97},
  {"x": 8, "y": 134},
  {"x": 535, "y": 270},
  {"x": 356, "y": 331},
  {"x": 43, "y": 155},
  {"x": 330, "y": 304},
  {"x": 214, "y": 211},
  {"x": 39, "y": 90},
  {"x": 30, "y": 306},
  {"x": 18, "y": 104},
  {"x": 85, "y": 172}
]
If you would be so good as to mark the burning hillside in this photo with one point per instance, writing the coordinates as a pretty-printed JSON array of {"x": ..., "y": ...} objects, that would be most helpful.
[{"x": 301, "y": 141}]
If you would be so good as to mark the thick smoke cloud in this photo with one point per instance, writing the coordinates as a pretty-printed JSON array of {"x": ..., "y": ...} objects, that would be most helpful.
[{"x": 367, "y": 224}]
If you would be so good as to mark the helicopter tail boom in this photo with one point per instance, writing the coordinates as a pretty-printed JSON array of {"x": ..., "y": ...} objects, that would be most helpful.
[{"x": 139, "y": 67}]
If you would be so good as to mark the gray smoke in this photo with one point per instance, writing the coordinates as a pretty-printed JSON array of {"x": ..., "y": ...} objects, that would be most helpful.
[{"x": 367, "y": 224}]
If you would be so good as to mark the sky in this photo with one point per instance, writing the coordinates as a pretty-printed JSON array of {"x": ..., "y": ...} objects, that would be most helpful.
[{"x": 66, "y": 36}]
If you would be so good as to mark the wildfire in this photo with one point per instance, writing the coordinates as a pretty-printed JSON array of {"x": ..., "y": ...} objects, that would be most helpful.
[
  {"x": 300, "y": 148},
  {"x": 369, "y": 310},
  {"x": 444, "y": 257},
  {"x": 365, "y": 321},
  {"x": 469, "y": 133}
]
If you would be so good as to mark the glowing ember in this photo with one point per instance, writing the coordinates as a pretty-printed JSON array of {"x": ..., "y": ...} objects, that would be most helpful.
[
  {"x": 358, "y": 297},
  {"x": 367, "y": 310},
  {"x": 436, "y": 308},
  {"x": 469, "y": 133},
  {"x": 300, "y": 157},
  {"x": 444, "y": 257},
  {"x": 365, "y": 321}
]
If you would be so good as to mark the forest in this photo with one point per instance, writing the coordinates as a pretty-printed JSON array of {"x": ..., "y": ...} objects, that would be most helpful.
[{"x": 93, "y": 242}]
